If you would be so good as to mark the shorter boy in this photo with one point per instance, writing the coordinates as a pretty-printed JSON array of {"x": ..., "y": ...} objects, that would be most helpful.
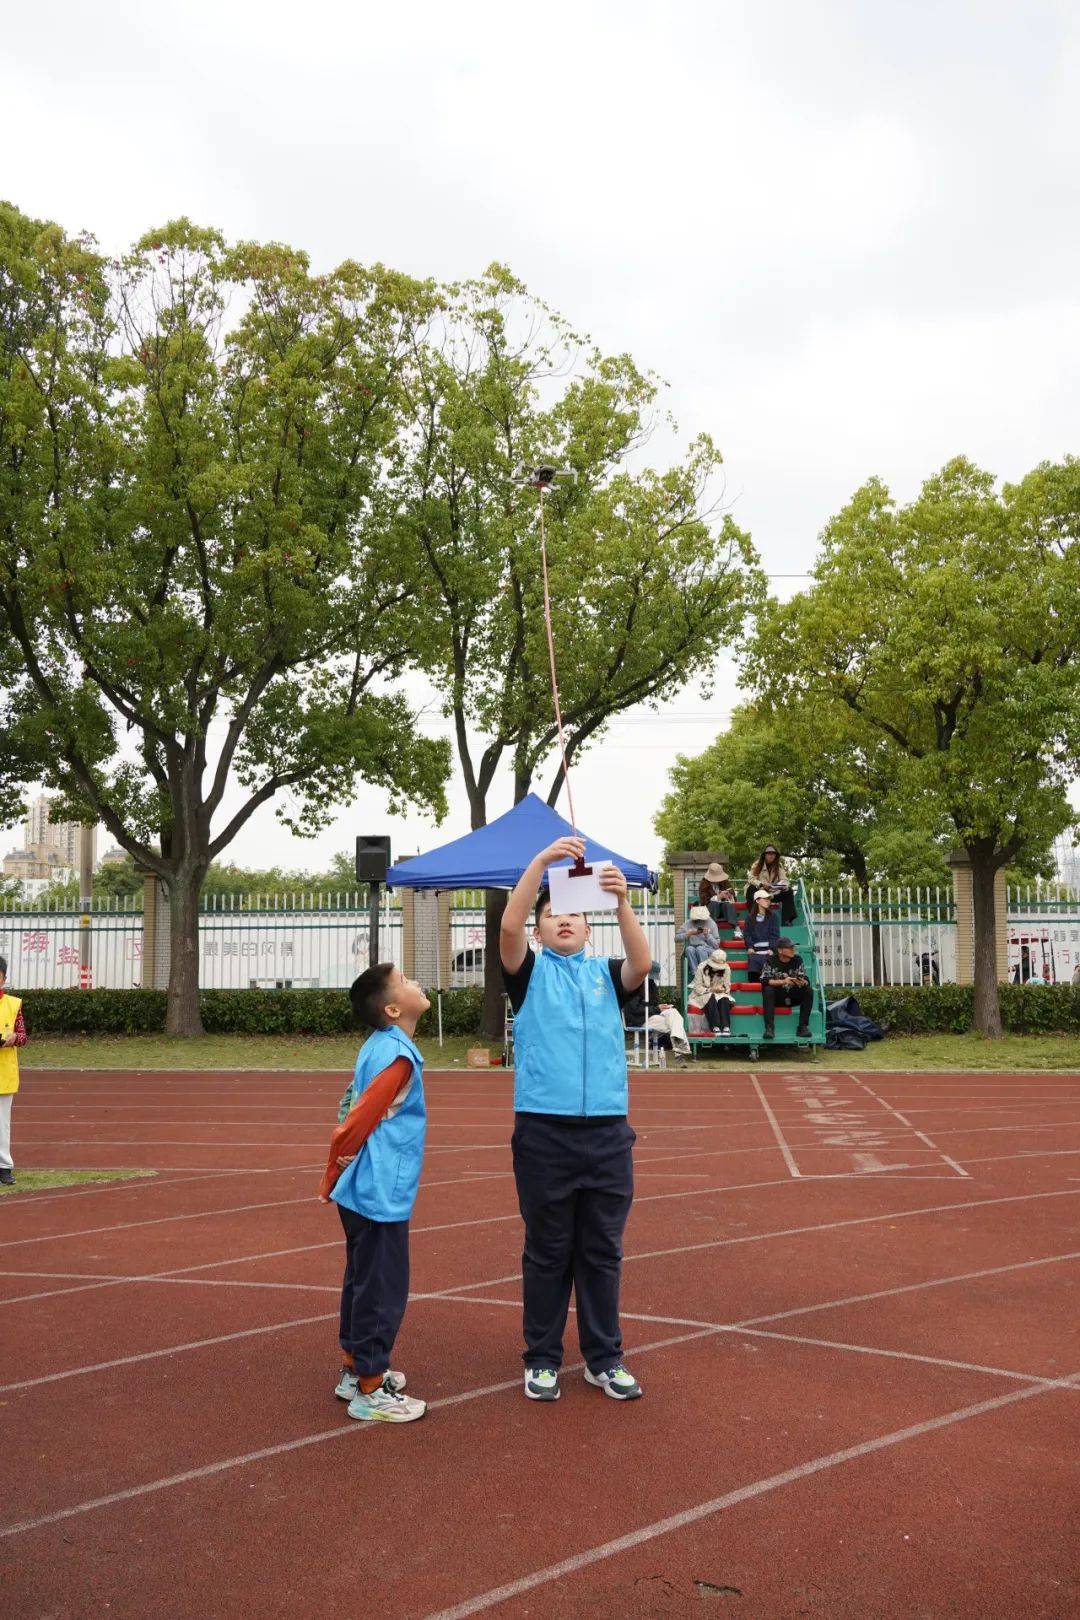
[
  {"x": 784, "y": 981},
  {"x": 12, "y": 1036},
  {"x": 372, "y": 1175}
]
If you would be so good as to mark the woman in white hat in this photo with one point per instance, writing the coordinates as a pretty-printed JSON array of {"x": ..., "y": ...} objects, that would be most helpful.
[
  {"x": 711, "y": 994},
  {"x": 761, "y": 931},
  {"x": 698, "y": 936}
]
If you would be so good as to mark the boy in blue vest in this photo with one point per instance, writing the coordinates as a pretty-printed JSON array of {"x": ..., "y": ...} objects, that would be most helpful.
[
  {"x": 572, "y": 1141},
  {"x": 372, "y": 1175}
]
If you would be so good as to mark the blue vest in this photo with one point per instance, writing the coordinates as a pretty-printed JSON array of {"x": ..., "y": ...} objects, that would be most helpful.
[
  {"x": 569, "y": 1046},
  {"x": 382, "y": 1180}
]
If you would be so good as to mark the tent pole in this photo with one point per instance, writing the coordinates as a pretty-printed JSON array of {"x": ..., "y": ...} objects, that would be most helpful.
[
  {"x": 646, "y": 909},
  {"x": 438, "y": 963}
]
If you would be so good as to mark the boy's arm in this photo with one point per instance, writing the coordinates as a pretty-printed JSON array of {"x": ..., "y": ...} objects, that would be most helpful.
[
  {"x": 512, "y": 941},
  {"x": 368, "y": 1111},
  {"x": 638, "y": 961}
]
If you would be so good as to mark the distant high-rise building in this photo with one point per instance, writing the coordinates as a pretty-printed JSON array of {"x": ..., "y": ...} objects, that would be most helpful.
[{"x": 43, "y": 834}]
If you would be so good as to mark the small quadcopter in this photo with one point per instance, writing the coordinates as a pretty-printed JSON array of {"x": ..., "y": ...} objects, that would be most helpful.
[{"x": 543, "y": 475}]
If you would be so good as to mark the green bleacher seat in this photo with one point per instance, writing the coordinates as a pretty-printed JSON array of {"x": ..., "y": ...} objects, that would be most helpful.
[{"x": 747, "y": 1018}]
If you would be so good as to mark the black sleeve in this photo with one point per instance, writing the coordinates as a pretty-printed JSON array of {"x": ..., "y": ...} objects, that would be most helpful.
[
  {"x": 516, "y": 984},
  {"x": 622, "y": 995}
]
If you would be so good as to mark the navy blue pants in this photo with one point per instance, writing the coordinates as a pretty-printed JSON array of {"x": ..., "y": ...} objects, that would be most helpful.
[
  {"x": 575, "y": 1185},
  {"x": 375, "y": 1291}
]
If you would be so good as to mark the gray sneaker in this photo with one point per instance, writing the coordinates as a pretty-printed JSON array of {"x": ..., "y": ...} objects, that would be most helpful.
[
  {"x": 542, "y": 1384},
  {"x": 384, "y": 1405},
  {"x": 349, "y": 1383},
  {"x": 618, "y": 1382}
]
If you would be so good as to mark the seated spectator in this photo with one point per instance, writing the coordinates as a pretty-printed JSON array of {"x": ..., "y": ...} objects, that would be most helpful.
[
  {"x": 721, "y": 898},
  {"x": 761, "y": 932},
  {"x": 784, "y": 983},
  {"x": 698, "y": 936},
  {"x": 711, "y": 994},
  {"x": 664, "y": 1019},
  {"x": 768, "y": 872}
]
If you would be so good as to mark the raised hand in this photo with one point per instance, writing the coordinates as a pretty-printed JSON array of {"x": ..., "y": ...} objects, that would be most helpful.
[
  {"x": 563, "y": 848},
  {"x": 613, "y": 881}
]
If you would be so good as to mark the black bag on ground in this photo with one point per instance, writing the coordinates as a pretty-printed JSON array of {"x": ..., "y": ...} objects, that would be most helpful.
[
  {"x": 843, "y": 1040},
  {"x": 848, "y": 1017}
]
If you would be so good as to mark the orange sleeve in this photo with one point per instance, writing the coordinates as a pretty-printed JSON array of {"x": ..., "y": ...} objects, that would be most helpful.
[{"x": 367, "y": 1112}]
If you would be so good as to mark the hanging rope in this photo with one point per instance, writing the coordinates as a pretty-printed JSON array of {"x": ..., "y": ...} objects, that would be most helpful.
[{"x": 551, "y": 657}]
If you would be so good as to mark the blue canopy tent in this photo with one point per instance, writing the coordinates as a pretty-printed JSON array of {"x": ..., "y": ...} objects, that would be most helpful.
[{"x": 495, "y": 856}]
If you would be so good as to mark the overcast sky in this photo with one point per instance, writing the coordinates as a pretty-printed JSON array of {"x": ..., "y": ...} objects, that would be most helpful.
[{"x": 845, "y": 233}]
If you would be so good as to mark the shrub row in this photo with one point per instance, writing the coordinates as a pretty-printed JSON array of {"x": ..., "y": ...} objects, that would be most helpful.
[
  {"x": 947, "y": 1009},
  {"x": 225, "y": 1012},
  {"x": 1026, "y": 1009}
]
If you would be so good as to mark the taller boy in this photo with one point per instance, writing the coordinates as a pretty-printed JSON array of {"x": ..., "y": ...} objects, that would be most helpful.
[{"x": 572, "y": 1142}]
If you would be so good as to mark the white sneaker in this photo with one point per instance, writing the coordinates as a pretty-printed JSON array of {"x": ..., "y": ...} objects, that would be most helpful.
[
  {"x": 542, "y": 1384},
  {"x": 384, "y": 1405},
  {"x": 618, "y": 1382},
  {"x": 349, "y": 1383}
]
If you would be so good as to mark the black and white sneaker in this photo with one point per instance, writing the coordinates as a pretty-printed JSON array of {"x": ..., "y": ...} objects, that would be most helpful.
[
  {"x": 618, "y": 1382},
  {"x": 542, "y": 1384},
  {"x": 6, "y": 1178},
  {"x": 803, "y": 1032}
]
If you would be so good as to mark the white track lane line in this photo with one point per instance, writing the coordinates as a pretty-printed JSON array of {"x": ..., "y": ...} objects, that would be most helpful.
[
  {"x": 738, "y": 1329},
  {"x": 168, "y": 1350},
  {"x": 467, "y": 1180},
  {"x": 793, "y": 1168},
  {"x": 182, "y": 1274},
  {"x": 745, "y": 1327},
  {"x": 339, "y": 1432},
  {"x": 745, "y": 1493},
  {"x": 905, "y": 1121}
]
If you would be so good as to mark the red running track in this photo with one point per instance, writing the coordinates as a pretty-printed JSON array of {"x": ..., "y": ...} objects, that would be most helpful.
[{"x": 852, "y": 1302}]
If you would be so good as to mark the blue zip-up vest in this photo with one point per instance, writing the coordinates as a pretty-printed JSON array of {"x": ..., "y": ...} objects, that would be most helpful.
[
  {"x": 569, "y": 1046},
  {"x": 382, "y": 1180}
]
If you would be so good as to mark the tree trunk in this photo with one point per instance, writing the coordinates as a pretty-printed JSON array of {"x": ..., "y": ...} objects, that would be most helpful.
[
  {"x": 182, "y": 1009},
  {"x": 987, "y": 1012},
  {"x": 494, "y": 906}
]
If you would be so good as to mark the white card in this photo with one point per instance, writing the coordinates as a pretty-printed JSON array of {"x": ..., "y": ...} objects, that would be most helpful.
[{"x": 570, "y": 893}]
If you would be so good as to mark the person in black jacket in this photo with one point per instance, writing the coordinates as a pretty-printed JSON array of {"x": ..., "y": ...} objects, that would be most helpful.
[
  {"x": 761, "y": 934},
  {"x": 784, "y": 982}
]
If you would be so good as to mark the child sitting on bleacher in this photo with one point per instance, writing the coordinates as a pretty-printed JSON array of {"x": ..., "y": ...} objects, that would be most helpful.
[{"x": 711, "y": 995}]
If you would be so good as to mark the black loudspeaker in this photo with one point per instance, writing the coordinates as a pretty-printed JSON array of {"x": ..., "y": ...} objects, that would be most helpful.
[{"x": 372, "y": 859}]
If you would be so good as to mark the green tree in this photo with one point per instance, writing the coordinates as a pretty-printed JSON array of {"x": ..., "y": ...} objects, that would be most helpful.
[
  {"x": 197, "y": 583},
  {"x": 811, "y": 780},
  {"x": 647, "y": 580},
  {"x": 949, "y": 629}
]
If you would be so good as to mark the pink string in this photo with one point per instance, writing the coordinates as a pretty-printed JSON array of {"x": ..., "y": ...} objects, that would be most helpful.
[{"x": 554, "y": 677}]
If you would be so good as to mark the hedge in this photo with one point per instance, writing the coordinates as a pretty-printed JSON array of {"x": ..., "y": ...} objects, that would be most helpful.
[
  {"x": 1026, "y": 1009},
  {"x": 948, "y": 1009},
  {"x": 225, "y": 1012}
]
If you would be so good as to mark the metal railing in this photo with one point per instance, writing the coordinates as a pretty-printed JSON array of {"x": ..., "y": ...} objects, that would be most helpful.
[{"x": 880, "y": 935}]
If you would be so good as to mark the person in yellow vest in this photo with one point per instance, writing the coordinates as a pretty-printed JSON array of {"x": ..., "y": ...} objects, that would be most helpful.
[{"x": 12, "y": 1035}]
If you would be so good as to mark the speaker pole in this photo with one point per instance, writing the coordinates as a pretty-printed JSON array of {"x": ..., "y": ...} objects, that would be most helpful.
[{"x": 373, "y": 923}]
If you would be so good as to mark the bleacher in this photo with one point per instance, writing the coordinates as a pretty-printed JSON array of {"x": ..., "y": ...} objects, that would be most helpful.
[{"x": 747, "y": 1020}]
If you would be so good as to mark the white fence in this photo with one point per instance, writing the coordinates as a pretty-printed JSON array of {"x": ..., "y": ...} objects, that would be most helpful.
[
  {"x": 890, "y": 936},
  {"x": 273, "y": 942},
  {"x": 884, "y": 935},
  {"x": 1044, "y": 933}
]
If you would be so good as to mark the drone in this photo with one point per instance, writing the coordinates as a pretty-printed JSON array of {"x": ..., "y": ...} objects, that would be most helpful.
[{"x": 543, "y": 475}]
